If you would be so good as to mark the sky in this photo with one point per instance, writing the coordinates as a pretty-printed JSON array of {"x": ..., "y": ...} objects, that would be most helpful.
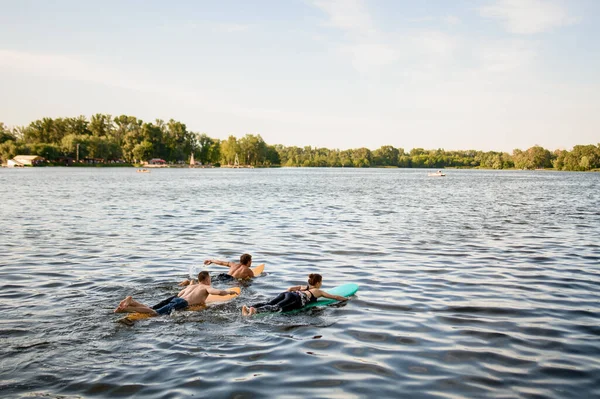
[{"x": 461, "y": 74}]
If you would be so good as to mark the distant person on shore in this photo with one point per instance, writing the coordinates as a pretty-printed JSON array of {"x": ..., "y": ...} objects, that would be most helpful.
[
  {"x": 294, "y": 298},
  {"x": 195, "y": 294},
  {"x": 239, "y": 270}
]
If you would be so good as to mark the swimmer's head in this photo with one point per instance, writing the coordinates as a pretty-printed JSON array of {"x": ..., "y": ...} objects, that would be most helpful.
[
  {"x": 246, "y": 259},
  {"x": 314, "y": 279},
  {"x": 204, "y": 277}
]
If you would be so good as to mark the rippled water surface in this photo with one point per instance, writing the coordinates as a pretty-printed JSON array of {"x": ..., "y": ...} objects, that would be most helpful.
[{"x": 480, "y": 284}]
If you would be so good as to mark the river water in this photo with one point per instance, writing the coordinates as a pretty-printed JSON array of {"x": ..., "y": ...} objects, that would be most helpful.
[{"x": 480, "y": 284}]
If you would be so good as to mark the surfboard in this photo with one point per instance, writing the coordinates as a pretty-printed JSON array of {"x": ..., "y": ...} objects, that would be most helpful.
[
  {"x": 341, "y": 290},
  {"x": 258, "y": 269},
  {"x": 345, "y": 290},
  {"x": 210, "y": 300}
]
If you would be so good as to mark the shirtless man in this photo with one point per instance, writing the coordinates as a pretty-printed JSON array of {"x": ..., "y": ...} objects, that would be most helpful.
[
  {"x": 195, "y": 294},
  {"x": 236, "y": 270}
]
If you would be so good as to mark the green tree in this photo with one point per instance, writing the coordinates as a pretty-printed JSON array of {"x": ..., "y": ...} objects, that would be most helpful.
[
  {"x": 103, "y": 148},
  {"x": 133, "y": 136},
  {"x": 126, "y": 125},
  {"x": 253, "y": 149},
  {"x": 361, "y": 157},
  {"x": 48, "y": 151},
  {"x": 520, "y": 159},
  {"x": 539, "y": 157},
  {"x": 101, "y": 125},
  {"x": 8, "y": 150},
  {"x": 346, "y": 158},
  {"x": 77, "y": 126},
  {"x": 178, "y": 141},
  {"x": 214, "y": 156},
  {"x": 39, "y": 131},
  {"x": 404, "y": 161},
  {"x": 333, "y": 158},
  {"x": 153, "y": 133},
  {"x": 581, "y": 158},
  {"x": 229, "y": 149},
  {"x": 272, "y": 156},
  {"x": 5, "y": 134},
  {"x": 69, "y": 144},
  {"x": 203, "y": 148},
  {"x": 386, "y": 155},
  {"x": 143, "y": 151}
]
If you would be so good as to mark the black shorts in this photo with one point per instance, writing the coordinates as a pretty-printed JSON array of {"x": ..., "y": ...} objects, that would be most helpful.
[
  {"x": 163, "y": 303},
  {"x": 223, "y": 278}
]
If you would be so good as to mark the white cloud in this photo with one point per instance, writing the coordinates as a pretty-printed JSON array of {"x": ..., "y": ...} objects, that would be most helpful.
[
  {"x": 367, "y": 47},
  {"x": 417, "y": 51},
  {"x": 60, "y": 66},
  {"x": 349, "y": 15},
  {"x": 528, "y": 16},
  {"x": 504, "y": 56},
  {"x": 56, "y": 66},
  {"x": 70, "y": 68}
]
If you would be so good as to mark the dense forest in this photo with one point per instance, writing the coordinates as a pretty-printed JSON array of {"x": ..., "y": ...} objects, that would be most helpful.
[{"x": 127, "y": 139}]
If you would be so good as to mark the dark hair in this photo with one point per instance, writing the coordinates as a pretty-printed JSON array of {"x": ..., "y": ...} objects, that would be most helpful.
[
  {"x": 202, "y": 276},
  {"x": 314, "y": 278},
  {"x": 245, "y": 259}
]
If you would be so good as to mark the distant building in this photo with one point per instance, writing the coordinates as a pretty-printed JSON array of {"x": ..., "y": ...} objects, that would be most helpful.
[
  {"x": 14, "y": 164},
  {"x": 157, "y": 161},
  {"x": 67, "y": 161},
  {"x": 24, "y": 160}
]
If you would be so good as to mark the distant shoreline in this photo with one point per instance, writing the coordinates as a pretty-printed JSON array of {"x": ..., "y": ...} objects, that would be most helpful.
[
  {"x": 123, "y": 166},
  {"x": 126, "y": 140}
]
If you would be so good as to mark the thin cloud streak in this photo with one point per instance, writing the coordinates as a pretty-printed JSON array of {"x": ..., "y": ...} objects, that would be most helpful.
[
  {"x": 528, "y": 17},
  {"x": 70, "y": 68},
  {"x": 371, "y": 49}
]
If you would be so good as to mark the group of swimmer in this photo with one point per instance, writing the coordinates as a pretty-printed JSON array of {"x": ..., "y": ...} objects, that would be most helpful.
[{"x": 196, "y": 292}]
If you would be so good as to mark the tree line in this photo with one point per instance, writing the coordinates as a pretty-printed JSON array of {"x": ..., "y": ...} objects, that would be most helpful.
[{"x": 128, "y": 139}]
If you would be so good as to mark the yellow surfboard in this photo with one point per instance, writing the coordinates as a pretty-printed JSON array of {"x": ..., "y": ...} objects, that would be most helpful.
[{"x": 258, "y": 269}]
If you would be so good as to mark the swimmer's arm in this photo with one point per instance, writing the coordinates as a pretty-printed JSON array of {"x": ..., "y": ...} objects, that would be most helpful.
[
  {"x": 295, "y": 288},
  {"x": 213, "y": 291},
  {"x": 320, "y": 293},
  {"x": 217, "y": 262},
  {"x": 186, "y": 282}
]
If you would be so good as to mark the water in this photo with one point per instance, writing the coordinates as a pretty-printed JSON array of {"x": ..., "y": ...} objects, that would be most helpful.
[{"x": 480, "y": 284}]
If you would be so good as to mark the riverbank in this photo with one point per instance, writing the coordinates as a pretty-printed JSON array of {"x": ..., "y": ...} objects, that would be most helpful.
[{"x": 100, "y": 165}]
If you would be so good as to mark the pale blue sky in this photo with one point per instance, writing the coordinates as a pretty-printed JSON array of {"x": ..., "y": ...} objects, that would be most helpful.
[{"x": 463, "y": 74}]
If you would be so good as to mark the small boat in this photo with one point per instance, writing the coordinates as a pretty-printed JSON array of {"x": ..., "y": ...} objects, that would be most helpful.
[{"x": 436, "y": 174}]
